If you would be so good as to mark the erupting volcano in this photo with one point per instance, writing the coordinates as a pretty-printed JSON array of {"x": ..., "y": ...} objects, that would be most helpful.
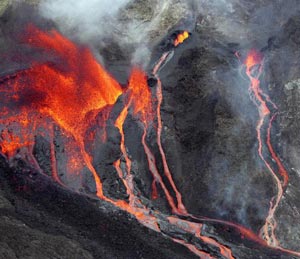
[
  {"x": 76, "y": 107},
  {"x": 70, "y": 93}
]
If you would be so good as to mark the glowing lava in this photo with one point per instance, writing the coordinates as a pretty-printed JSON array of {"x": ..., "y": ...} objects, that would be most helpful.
[
  {"x": 181, "y": 37},
  {"x": 196, "y": 229},
  {"x": 180, "y": 206},
  {"x": 254, "y": 68},
  {"x": 139, "y": 98},
  {"x": 70, "y": 91}
]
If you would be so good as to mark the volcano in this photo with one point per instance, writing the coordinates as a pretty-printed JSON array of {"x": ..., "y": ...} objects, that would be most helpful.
[{"x": 177, "y": 140}]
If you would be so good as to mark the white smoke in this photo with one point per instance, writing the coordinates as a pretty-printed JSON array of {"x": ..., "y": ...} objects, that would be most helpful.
[
  {"x": 83, "y": 19},
  {"x": 246, "y": 21},
  {"x": 135, "y": 28}
]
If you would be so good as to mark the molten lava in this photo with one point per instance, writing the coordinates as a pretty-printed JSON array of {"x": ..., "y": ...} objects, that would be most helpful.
[
  {"x": 254, "y": 68},
  {"x": 71, "y": 90},
  {"x": 139, "y": 98},
  {"x": 181, "y": 37},
  {"x": 180, "y": 206},
  {"x": 66, "y": 95}
]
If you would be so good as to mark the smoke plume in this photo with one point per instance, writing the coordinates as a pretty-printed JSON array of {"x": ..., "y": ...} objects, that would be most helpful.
[
  {"x": 84, "y": 19},
  {"x": 135, "y": 25}
]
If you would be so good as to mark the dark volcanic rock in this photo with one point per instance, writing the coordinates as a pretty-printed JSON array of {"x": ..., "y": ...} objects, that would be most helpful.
[
  {"x": 41, "y": 220},
  {"x": 208, "y": 123},
  {"x": 282, "y": 77}
]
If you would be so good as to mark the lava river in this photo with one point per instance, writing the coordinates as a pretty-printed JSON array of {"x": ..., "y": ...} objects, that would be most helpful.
[{"x": 267, "y": 111}]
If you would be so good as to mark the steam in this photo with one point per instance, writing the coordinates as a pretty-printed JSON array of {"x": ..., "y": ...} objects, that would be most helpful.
[
  {"x": 247, "y": 22},
  {"x": 86, "y": 20},
  {"x": 136, "y": 26}
]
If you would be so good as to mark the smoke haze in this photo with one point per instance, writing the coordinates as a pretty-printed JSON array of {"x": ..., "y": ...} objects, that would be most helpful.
[
  {"x": 135, "y": 25},
  {"x": 85, "y": 19}
]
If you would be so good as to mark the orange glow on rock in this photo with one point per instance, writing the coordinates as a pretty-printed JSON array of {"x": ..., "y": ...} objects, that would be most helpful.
[
  {"x": 10, "y": 143},
  {"x": 253, "y": 58}
]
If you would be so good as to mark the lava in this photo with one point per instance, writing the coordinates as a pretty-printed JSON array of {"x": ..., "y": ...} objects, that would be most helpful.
[
  {"x": 79, "y": 81},
  {"x": 254, "y": 60},
  {"x": 196, "y": 228},
  {"x": 70, "y": 91},
  {"x": 139, "y": 98},
  {"x": 180, "y": 206},
  {"x": 10, "y": 142},
  {"x": 181, "y": 37},
  {"x": 140, "y": 95},
  {"x": 254, "y": 68}
]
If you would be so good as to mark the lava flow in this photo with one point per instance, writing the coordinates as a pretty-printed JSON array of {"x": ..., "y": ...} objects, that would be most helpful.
[
  {"x": 181, "y": 37},
  {"x": 254, "y": 68},
  {"x": 180, "y": 206},
  {"x": 138, "y": 97},
  {"x": 70, "y": 92}
]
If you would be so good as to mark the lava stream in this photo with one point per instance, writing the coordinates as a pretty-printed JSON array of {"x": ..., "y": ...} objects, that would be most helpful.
[
  {"x": 254, "y": 68},
  {"x": 196, "y": 228},
  {"x": 127, "y": 177},
  {"x": 193, "y": 249},
  {"x": 180, "y": 206},
  {"x": 53, "y": 158},
  {"x": 157, "y": 178}
]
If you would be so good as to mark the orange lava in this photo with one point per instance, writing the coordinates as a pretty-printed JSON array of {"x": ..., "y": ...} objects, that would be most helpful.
[
  {"x": 70, "y": 91},
  {"x": 159, "y": 95},
  {"x": 181, "y": 38},
  {"x": 195, "y": 228},
  {"x": 140, "y": 96},
  {"x": 10, "y": 143},
  {"x": 126, "y": 177},
  {"x": 254, "y": 61},
  {"x": 282, "y": 171},
  {"x": 253, "y": 58}
]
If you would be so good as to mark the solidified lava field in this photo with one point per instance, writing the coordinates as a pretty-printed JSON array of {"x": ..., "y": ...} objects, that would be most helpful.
[{"x": 149, "y": 129}]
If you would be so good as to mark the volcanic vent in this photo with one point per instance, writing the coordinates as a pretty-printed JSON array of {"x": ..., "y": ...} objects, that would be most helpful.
[{"x": 178, "y": 156}]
